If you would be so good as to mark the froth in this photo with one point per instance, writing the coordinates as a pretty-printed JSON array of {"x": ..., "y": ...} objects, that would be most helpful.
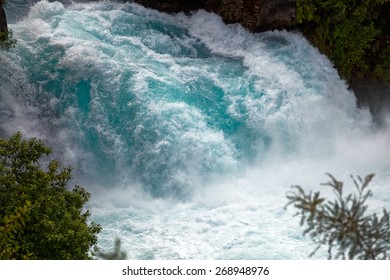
[{"x": 187, "y": 131}]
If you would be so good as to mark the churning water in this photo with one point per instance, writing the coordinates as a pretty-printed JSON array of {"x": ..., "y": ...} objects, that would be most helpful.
[{"x": 187, "y": 132}]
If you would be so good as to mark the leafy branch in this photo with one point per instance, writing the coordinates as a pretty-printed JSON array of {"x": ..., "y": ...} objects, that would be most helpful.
[{"x": 343, "y": 224}]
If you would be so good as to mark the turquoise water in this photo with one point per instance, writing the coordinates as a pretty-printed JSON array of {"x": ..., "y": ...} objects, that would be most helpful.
[{"x": 187, "y": 132}]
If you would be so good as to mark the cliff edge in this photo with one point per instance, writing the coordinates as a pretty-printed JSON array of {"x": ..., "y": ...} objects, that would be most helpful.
[{"x": 255, "y": 15}]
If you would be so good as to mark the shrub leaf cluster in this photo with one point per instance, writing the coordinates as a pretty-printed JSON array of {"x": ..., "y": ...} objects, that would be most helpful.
[
  {"x": 39, "y": 217},
  {"x": 353, "y": 34},
  {"x": 343, "y": 225}
]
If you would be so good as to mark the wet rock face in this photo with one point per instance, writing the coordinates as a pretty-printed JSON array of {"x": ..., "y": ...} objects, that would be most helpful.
[
  {"x": 3, "y": 21},
  {"x": 256, "y": 15},
  {"x": 375, "y": 96},
  {"x": 170, "y": 6}
]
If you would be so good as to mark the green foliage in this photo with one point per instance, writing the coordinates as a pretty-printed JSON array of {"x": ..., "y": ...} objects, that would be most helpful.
[
  {"x": 382, "y": 70},
  {"x": 343, "y": 224},
  {"x": 346, "y": 31},
  {"x": 6, "y": 40},
  {"x": 305, "y": 11},
  {"x": 13, "y": 223},
  {"x": 353, "y": 39},
  {"x": 39, "y": 217}
]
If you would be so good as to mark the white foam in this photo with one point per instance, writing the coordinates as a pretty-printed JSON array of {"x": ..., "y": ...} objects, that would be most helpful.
[{"x": 287, "y": 92}]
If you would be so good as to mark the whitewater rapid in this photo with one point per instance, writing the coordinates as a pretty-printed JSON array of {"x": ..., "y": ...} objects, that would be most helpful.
[{"x": 188, "y": 132}]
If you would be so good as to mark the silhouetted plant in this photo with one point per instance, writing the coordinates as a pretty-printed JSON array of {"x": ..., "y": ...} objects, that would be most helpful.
[
  {"x": 117, "y": 254},
  {"x": 343, "y": 224},
  {"x": 6, "y": 40}
]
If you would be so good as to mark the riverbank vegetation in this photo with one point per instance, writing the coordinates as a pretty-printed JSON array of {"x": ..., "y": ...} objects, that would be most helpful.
[
  {"x": 40, "y": 218},
  {"x": 353, "y": 34}
]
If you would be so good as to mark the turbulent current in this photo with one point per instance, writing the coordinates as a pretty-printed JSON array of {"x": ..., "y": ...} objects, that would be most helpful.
[{"x": 188, "y": 132}]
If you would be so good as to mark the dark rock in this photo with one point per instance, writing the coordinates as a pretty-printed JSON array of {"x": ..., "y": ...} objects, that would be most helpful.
[
  {"x": 170, "y": 6},
  {"x": 375, "y": 96},
  {"x": 255, "y": 15},
  {"x": 3, "y": 22}
]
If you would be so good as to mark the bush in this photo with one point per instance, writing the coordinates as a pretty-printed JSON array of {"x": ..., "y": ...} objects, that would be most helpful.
[
  {"x": 39, "y": 217},
  {"x": 353, "y": 34},
  {"x": 343, "y": 224}
]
